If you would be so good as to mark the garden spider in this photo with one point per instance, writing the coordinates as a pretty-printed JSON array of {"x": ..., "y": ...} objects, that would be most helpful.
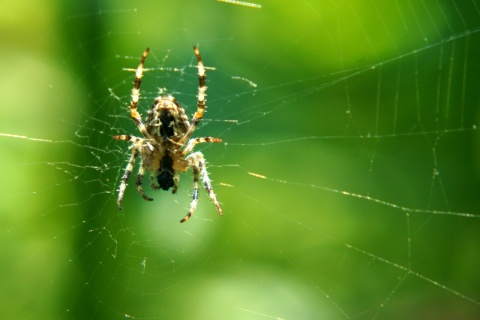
[{"x": 165, "y": 148}]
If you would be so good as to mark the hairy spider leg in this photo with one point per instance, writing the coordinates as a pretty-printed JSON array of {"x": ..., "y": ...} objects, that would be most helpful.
[
  {"x": 199, "y": 169},
  {"x": 193, "y": 142},
  {"x": 136, "y": 97},
  {"x": 201, "y": 99},
  {"x": 126, "y": 175},
  {"x": 153, "y": 184},
  {"x": 129, "y": 138},
  {"x": 129, "y": 169},
  {"x": 133, "y": 139},
  {"x": 138, "y": 183}
]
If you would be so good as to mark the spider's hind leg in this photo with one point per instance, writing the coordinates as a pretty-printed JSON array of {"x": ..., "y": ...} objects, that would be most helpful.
[
  {"x": 138, "y": 183},
  {"x": 126, "y": 175},
  {"x": 153, "y": 184},
  {"x": 199, "y": 169}
]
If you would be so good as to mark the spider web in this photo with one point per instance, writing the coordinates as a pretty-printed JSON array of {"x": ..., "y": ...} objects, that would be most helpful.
[{"x": 348, "y": 176}]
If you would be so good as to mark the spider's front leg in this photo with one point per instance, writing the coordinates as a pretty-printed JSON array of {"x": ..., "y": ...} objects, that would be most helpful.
[
  {"x": 202, "y": 89},
  {"x": 197, "y": 161},
  {"x": 136, "y": 97}
]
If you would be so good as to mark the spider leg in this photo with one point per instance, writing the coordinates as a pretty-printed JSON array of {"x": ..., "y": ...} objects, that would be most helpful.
[
  {"x": 175, "y": 183},
  {"x": 126, "y": 175},
  {"x": 129, "y": 138},
  {"x": 138, "y": 183},
  {"x": 193, "y": 204},
  {"x": 136, "y": 97},
  {"x": 193, "y": 142},
  {"x": 201, "y": 98},
  {"x": 153, "y": 184},
  {"x": 129, "y": 169},
  {"x": 133, "y": 139},
  {"x": 199, "y": 169}
]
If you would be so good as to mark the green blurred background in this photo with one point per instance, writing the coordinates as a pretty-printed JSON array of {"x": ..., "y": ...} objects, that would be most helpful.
[{"x": 360, "y": 134}]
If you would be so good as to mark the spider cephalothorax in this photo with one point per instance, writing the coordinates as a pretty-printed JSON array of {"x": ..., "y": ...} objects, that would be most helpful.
[{"x": 166, "y": 146}]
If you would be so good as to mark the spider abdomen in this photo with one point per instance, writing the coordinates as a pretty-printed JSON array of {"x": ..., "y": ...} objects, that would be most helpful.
[{"x": 166, "y": 175}]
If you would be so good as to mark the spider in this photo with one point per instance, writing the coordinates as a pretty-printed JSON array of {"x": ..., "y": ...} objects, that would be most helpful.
[{"x": 165, "y": 148}]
